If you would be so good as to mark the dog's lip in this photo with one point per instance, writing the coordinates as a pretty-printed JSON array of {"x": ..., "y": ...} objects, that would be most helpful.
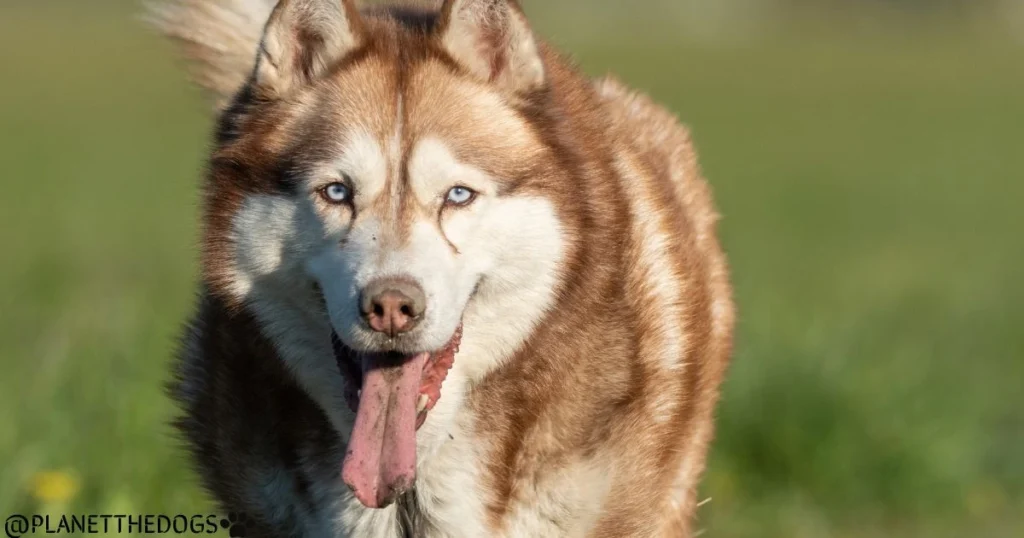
[
  {"x": 385, "y": 345},
  {"x": 343, "y": 351}
]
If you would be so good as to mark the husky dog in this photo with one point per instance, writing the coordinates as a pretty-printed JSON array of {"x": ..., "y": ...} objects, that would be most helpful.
[{"x": 450, "y": 286}]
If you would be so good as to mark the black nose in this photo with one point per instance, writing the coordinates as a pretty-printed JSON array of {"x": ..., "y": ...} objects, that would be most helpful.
[{"x": 392, "y": 305}]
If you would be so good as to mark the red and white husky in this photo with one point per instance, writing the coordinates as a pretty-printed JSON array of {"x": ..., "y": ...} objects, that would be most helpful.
[{"x": 451, "y": 286}]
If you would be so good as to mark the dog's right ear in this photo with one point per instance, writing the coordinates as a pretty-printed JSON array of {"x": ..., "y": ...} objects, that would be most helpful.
[
  {"x": 492, "y": 40},
  {"x": 302, "y": 39}
]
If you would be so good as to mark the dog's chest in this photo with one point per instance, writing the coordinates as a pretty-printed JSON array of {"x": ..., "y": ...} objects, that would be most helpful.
[
  {"x": 449, "y": 493},
  {"x": 453, "y": 486},
  {"x": 452, "y": 489}
]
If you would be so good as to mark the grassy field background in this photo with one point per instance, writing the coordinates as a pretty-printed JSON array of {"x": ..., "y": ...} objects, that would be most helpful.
[{"x": 868, "y": 164}]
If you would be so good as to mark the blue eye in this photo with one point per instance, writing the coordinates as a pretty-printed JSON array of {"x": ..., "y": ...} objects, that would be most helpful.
[
  {"x": 336, "y": 193},
  {"x": 460, "y": 196}
]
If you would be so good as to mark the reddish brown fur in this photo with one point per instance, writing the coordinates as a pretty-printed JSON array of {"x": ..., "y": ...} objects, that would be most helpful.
[{"x": 582, "y": 386}]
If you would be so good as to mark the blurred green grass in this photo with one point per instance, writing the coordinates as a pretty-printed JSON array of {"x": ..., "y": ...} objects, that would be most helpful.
[{"x": 869, "y": 183}]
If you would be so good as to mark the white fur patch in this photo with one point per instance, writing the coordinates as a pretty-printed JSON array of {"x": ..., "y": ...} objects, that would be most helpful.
[
  {"x": 433, "y": 169},
  {"x": 514, "y": 246},
  {"x": 567, "y": 504},
  {"x": 260, "y": 230},
  {"x": 272, "y": 235},
  {"x": 529, "y": 244},
  {"x": 363, "y": 160}
]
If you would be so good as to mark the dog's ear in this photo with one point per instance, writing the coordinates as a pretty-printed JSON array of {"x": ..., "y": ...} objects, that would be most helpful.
[
  {"x": 492, "y": 40},
  {"x": 302, "y": 39}
]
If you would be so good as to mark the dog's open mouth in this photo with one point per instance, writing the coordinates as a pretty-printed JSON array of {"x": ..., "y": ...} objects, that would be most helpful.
[{"x": 391, "y": 394}]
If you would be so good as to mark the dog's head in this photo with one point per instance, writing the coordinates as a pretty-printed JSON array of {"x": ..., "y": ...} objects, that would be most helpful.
[
  {"x": 394, "y": 167},
  {"x": 387, "y": 159}
]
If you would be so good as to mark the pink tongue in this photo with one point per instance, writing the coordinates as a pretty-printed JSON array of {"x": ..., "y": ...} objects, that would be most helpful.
[{"x": 380, "y": 463}]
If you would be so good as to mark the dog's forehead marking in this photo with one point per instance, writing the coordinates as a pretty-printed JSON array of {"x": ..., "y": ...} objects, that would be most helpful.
[
  {"x": 362, "y": 158},
  {"x": 395, "y": 147},
  {"x": 380, "y": 124},
  {"x": 434, "y": 168},
  {"x": 465, "y": 114}
]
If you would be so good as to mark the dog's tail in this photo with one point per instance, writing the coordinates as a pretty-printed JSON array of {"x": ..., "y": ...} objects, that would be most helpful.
[{"x": 219, "y": 38}]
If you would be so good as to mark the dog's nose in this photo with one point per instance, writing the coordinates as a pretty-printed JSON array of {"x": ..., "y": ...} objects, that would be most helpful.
[{"x": 392, "y": 305}]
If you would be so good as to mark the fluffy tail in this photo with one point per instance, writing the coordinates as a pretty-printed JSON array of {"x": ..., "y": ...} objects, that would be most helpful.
[{"x": 218, "y": 37}]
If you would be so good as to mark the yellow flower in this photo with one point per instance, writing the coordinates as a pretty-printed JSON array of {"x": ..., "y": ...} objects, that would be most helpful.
[{"x": 54, "y": 486}]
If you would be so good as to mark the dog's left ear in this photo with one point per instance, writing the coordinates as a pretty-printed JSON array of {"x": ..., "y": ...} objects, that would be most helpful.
[{"x": 492, "y": 40}]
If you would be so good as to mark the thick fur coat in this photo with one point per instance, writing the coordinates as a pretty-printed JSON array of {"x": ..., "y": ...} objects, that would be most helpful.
[{"x": 556, "y": 232}]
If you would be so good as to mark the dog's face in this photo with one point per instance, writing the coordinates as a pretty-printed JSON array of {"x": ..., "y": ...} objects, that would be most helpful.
[
  {"x": 377, "y": 167},
  {"x": 419, "y": 193}
]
